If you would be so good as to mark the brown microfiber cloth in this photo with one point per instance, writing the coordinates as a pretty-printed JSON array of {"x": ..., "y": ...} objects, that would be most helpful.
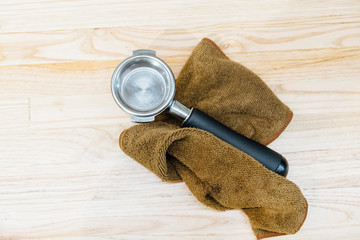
[{"x": 219, "y": 175}]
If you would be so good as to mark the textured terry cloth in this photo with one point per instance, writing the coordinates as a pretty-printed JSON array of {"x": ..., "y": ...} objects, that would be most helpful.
[{"x": 219, "y": 175}]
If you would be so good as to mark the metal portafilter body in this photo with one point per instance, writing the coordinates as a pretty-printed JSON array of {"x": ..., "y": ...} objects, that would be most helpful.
[{"x": 144, "y": 86}]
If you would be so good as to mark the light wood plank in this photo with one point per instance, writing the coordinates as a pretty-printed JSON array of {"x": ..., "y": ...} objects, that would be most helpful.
[
  {"x": 117, "y": 43},
  {"x": 333, "y": 71},
  {"x": 40, "y": 15}
]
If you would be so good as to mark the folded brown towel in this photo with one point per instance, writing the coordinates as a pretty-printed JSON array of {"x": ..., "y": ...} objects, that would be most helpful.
[{"x": 219, "y": 175}]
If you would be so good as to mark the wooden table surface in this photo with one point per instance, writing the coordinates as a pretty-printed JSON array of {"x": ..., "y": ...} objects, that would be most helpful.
[{"x": 62, "y": 174}]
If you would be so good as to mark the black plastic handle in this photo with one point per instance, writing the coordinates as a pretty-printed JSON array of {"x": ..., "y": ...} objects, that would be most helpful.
[{"x": 267, "y": 157}]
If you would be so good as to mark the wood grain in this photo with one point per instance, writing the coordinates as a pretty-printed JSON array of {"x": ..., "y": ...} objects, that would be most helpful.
[{"x": 63, "y": 175}]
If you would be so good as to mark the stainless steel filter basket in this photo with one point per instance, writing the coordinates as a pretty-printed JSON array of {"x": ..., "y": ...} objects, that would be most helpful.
[{"x": 143, "y": 86}]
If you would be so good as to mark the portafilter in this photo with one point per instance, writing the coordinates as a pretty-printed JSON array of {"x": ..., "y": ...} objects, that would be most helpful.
[{"x": 143, "y": 85}]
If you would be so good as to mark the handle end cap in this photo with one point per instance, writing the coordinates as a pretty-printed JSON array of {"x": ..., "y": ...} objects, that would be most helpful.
[{"x": 283, "y": 167}]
